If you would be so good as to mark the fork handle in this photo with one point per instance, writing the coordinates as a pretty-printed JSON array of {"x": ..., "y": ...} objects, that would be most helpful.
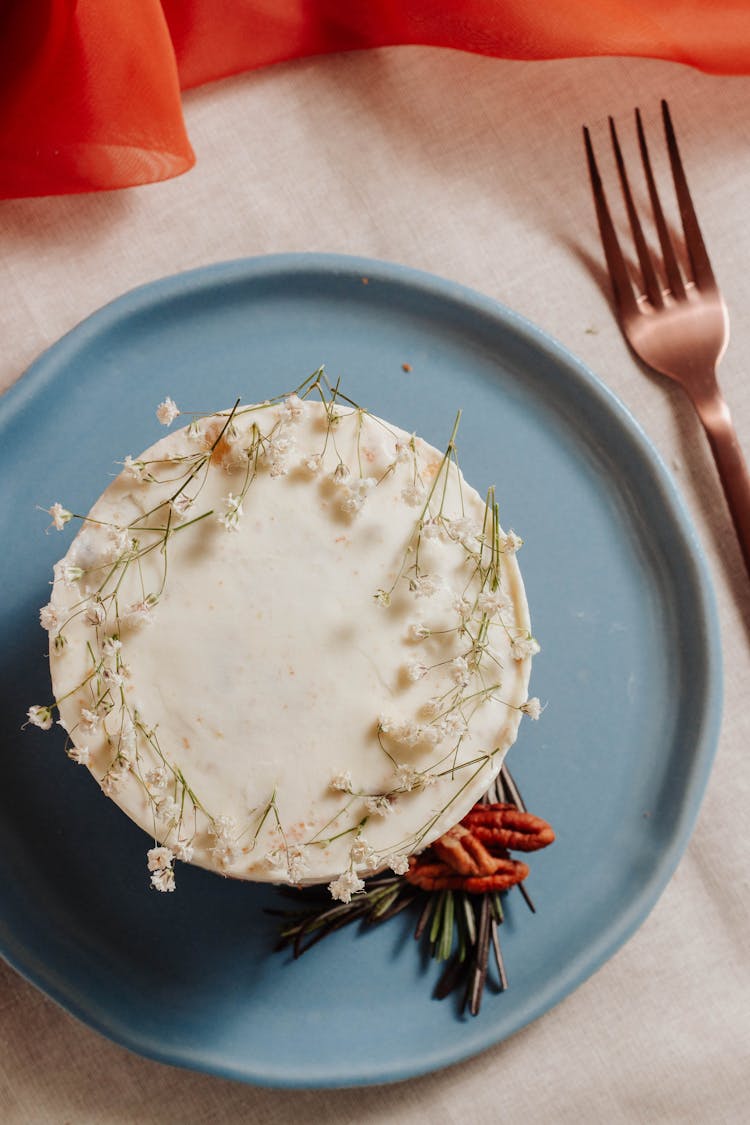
[{"x": 733, "y": 473}]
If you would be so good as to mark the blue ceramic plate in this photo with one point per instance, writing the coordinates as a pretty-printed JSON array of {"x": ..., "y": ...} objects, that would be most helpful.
[{"x": 630, "y": 669}]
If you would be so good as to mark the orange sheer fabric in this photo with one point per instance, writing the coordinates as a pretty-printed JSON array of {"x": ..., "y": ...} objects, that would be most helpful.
[{"x": 90, "y": 91}]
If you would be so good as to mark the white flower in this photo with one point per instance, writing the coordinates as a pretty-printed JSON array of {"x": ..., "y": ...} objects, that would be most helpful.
[
  {"x": 111, "y": 647},
  {"x": 48, "y": 618},
  {"x": 341, "y": 473},
  {"x": 167, "y": 411},
  {"x": 532, "y": 707},
  {"x": 524, "y": 647},
  {"x": 95, "y": 613},
  {"x": 383, "y": 598},
  {"x": 89, "y": 720},
  {"x": 223, "y": 828},
  {"x": 292, "y": 408},
  {"x": 137, "y": 614},
  {"x": 181, "y": 504},
  {"x": 379, "y": 805},
  {"x": 431, "y": 530},
  {"x": 156, "y": 779},
  {"x": 361, "y": 852},
  {"x": 163, "y": 880},
  {"x": 66, "y": 573},
  {"x": 463, "y": 607},
  {"x": 418, "y": 631},
  {"x": 459, "y": 671},
  {"x": 159, "y": 858},
  {"x": 452, "y": 725},
  {"x": 408, "y": 778},
  {"x": 355, "y": 495},
  {"x": 112, "y": 678},
  {"x": 432, "y": 708},
  {"x": 168, "y": 810},
  {"x": 493, "y": 601},
  {"x": 111, "y": 783},
  {"x": 224, "y": 853},
  {"x": 183, "y": 851},
  {"x": 413, "y": 495},
  {"x": 345, "y": 886},
  {"x": 431, "y": 735},
  {"x": 341, "y": 781},
  {"x": 510, "y": 543},
  {"x": 40, "y": 717},
  {"x": 60, "y": 516},
  {"x": 79, "y": 754},
  {"x": 133, "y": 469},
  {"x": 399, "y": 864},
  {"x": 403, "y": 450},
  {"x": 416, "y": 670},
  {"x": 425, "y": 585},
  {"x": 230, "y": 517},
  {"x": 296, "y": 862},
  {"x": 314, "y": 463}
]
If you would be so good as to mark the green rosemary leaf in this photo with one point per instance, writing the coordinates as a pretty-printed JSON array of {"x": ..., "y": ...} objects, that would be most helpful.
[
  {"x": 468, "y": 913},
  {"x": 437, "y": 918},
  {"x": 445, "y": 937}
]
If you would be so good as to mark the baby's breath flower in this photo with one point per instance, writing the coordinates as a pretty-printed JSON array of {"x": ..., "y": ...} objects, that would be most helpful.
[
  {"x": 159, "y": 858},
  {"x": 361, "y": 852},
  {"x": 379, "y": 805},
  {"x": 112, "y": 678},
  {"x": 168, "y": 810},
  {"x": 431, "y": 529},
  {"x": 111, "y": 783},
  {"x": 89, "y": 720},
  {"x": 413, "y": 495},
  {"x": 181, "y": 504},
  {"x": 134, "y": 469},
  {"x": 463, "y": 607},
  {"x": 139, "y": 613},
  {"x": 183, "y": 851},
  {"x": 314, "y": 463},
  {"x": 510, "y": 543},
  {"x": 532, "y": 707},
  {"x": 341, "y": 781},
  {"x": 418, "y": 631},
  {"x": 425, "y": 585},
  {"x": 167, "y": 411},
  {"x": 223, "y": 828},
  {"x": 459, "y": 671},
  {"x": 60, "y": 516},
  {"x": 230, "y": 517},
  {"x": 524, "y": 647},
  {"x": 399, "y": 864},
  {"x": 345, "y": 886},
  {"x": 431, "y": 735},
  {"x": 79, "y": 754},
  {"x": 40, "y": 717},
  {"x": 493, "y": 601},
  {"x": 224, "y": 853},
  {"x": 66, "y": 573},
  {"x": 432, "y": 708},
  {"x": 416, "y": 670},
  {"x": 341, "y": 473},
  {"x": 403, "y": 450},
  {"x": 452, "y": 725},
  {"x": 355, "y": 494},
  {"x": 95, "y": 612},
  {"x": 408, "y": 778},
  {"x": 157, "y": 778},
  {"x": 383, "y": 598},
  {"x": 163, "y": 880},
  {"x": 111, "y": 647},
  {"x": 296, "y": 862},
  {"x": 48, "y": 618},
  {"x": 292, "y": 408}
]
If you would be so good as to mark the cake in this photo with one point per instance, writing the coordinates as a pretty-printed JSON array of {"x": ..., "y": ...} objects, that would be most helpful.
[{"x": 290, "y": 642}]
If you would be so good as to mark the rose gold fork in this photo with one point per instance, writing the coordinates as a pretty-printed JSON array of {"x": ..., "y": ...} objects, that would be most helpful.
[{"x": 681, "y": 330}]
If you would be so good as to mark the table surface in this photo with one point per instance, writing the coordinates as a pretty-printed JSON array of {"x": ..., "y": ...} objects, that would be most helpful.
[{"x": 471, "y": 168}]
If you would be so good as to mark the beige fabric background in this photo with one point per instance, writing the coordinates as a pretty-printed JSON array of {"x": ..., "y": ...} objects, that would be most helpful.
[{"x": 471, "y": 168}]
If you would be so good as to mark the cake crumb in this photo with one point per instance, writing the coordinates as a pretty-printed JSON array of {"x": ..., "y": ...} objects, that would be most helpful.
[{"x": 406, "y": 367}]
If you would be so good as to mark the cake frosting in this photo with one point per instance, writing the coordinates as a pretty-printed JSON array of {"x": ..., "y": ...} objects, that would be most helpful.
[{"x": 290, "y": 642}]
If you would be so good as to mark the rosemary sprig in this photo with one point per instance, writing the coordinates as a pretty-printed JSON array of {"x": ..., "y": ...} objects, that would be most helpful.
[{"x": 460, "y": 929}]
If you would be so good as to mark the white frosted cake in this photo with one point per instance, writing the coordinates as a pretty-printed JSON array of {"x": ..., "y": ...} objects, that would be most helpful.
[{"x": 290, "y": 642}]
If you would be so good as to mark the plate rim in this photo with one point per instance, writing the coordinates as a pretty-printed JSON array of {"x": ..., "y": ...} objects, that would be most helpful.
[{"x": 44, "y": 369}]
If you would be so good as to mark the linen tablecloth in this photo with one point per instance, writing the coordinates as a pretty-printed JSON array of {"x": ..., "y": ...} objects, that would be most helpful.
[{"x": 472, "y": 168}]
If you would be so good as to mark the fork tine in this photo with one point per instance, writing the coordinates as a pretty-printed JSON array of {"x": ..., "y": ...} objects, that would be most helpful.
[
  {"x": 650, "y": 280},
  {"x": 618, "y": 270},
  {"x": 672, "y": 269},
  {"x": 703, "y": 275}
]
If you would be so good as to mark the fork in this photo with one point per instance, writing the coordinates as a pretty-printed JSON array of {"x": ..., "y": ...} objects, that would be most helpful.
[{"x": 680, "y": 329}]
